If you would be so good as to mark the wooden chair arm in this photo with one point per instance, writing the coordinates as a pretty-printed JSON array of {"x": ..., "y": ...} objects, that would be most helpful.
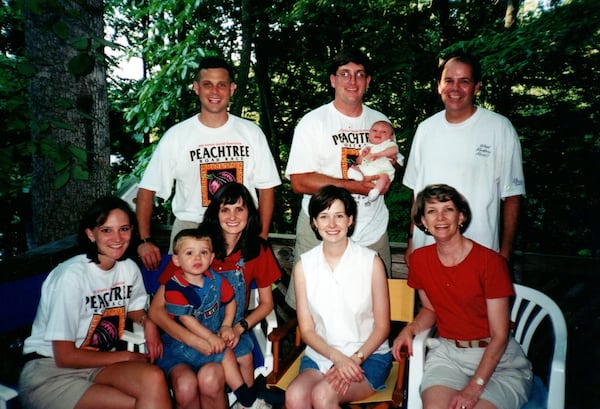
[
  {"x": 280, "y": 332},
  {"x": 281, "y": 364},
  {"x": 400, "y": 392}
]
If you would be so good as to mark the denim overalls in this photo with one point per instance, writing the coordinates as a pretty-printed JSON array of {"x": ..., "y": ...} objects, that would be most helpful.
[
  {"x": 236, "y": 280},
  {"x": 204, "y": 304}
]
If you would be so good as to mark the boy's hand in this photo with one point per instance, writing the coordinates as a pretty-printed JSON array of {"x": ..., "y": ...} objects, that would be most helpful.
[{"x": 217, "y": 344}]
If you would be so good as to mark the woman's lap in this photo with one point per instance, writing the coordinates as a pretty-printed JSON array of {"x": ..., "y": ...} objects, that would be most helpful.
[
  {"x": 376, "y": 368},
  {"x": 453, "y": 367},
  {"x": 43, "y": 384}
]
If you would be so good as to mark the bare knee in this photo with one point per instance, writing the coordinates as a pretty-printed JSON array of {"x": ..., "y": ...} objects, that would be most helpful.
[
  {"x": 185, "y": 389},
  {"x": 299, "y": 396},
  {"x": 154, "y": 380},
  {"x": 211, "y": 380},
  {"x": 295, "y": 398},
  {"x": 323, "y": 396}
]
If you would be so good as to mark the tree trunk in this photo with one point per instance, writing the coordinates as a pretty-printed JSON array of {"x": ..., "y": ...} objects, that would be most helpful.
[
  {"x": 510, "y": 17},
  {"x": 68, "y": 110},
  {"x": 261, "y": 69},
  {"x": 245, "y": 53}
]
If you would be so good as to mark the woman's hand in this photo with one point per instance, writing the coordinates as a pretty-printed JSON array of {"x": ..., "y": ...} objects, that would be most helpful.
[
  {"x": 344, "y": 371},
  {"x": 153, "y": 342},
  {"x": 403, "y": 340},
  {"x": 467, "y": 397},
  {"x": 336, "y": 381},
  {"x": 228, "y": 334}
]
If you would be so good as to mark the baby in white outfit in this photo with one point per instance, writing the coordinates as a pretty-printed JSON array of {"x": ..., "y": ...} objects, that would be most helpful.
[{"x": 376, "y": 158}]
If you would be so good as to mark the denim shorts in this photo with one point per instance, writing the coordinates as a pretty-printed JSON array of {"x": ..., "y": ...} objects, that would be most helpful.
[
  {"x": 376, "y": 366},
  {"x": 244, "y": 347},
  {"x": 175, "y": 353}
]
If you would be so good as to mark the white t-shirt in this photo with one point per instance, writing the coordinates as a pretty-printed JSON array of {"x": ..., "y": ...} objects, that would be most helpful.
[
  {"x": 328, "y": 142},
  {"x": 199, "y": 159},
  {"x": 340, "y": 301},
  {"x": 480, "y": 157},
  {"x": 82, "y": 303}
]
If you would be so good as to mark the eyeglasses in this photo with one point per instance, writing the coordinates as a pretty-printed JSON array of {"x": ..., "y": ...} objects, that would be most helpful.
[{"x": 346, "y": 76}]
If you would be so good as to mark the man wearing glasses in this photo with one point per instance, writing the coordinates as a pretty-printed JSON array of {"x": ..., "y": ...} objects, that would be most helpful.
[{"x": 326, "y": 143}]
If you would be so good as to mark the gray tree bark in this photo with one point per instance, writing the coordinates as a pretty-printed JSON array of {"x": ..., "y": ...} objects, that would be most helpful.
[{"x": 67, "y": 109}]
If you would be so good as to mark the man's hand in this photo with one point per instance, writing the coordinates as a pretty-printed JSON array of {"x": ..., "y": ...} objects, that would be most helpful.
[{"x": 150, "y": 255}]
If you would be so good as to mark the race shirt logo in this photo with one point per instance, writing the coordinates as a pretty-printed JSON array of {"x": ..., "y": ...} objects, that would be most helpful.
[
  {"x": 215, "y": 175},
  {"x": 105, "y": 330},
  {"x": 349, "y": 156}
]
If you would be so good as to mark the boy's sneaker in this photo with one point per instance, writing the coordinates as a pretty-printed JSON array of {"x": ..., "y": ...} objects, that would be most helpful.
[{"x": 258, "y": 404}]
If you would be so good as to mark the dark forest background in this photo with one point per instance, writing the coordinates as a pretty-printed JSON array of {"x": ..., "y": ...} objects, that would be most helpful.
[{"x": 73, "y": 129}]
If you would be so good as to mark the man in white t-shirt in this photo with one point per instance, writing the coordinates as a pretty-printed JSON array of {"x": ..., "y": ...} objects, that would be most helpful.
[
  {"x": 474, "y": 150},
  {"x": 200, "y": 154},
  {"x": 326, "y": 143}
]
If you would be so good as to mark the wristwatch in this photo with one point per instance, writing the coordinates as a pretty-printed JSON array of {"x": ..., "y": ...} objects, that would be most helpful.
[
  {"x": 360, "y": 355},
  {"x": 244, "y": 325}
]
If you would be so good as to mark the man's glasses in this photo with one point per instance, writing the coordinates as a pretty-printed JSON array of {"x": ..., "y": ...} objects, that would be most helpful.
[{"x": 346, "y": 76}]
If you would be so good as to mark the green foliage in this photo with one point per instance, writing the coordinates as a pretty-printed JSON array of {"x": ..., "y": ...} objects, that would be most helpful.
[
  {"x": 68, "y": 161},
  {"x": 528, "y": 77},
  {"x": 542, "y": 73}
]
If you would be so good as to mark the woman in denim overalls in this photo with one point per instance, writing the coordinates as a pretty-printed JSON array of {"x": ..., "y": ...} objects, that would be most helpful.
[{"x": 243, "y": 257}]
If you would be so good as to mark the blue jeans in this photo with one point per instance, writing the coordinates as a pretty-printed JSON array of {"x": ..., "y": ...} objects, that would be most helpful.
[{"x": 376, "y": 366}]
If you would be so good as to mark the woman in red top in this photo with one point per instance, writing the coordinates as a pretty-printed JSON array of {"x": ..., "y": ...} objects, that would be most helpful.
[
  {"x": 464, "y": 288},
  {"x": 243, "y": 257}
]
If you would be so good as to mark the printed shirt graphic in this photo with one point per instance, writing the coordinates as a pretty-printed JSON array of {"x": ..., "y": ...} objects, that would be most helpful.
[
  {"x": 349, "y": 156},
  {"x": 196, "y": 160},
  {"x": 86, "y": 305},
  {"x": 105, "y": 330},
  {"x": 215, "y": 175}
]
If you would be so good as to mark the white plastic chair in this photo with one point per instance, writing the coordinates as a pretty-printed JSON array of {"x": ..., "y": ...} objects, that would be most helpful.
[{"x": 529, "y": 309}]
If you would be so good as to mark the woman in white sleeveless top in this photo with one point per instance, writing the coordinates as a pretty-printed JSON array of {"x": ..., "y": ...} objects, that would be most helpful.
[{"x": 343, "y": 311}]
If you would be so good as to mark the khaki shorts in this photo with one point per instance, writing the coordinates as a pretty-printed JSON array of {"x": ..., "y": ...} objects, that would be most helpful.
[
  {"x": 306, "y": 240},
  {"x": 44, "y": 385},
  {"x": 509, "y": 386}
]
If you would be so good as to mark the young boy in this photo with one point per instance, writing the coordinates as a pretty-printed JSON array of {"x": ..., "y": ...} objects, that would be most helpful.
[
  {"x": 194, "y": 296},
  {"x": 376, "y": 157}
]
